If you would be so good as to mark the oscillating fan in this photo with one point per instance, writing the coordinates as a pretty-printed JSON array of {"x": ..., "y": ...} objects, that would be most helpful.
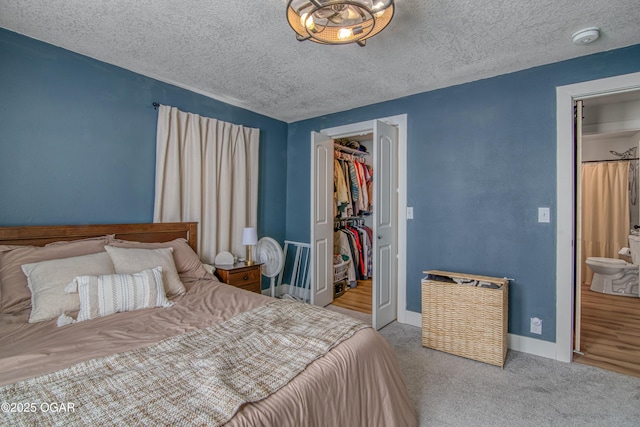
[{"x": 270, "y": 255}]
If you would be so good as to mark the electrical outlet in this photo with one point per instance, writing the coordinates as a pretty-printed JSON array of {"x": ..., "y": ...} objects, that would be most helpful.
[{"x": 536, "y": 326}]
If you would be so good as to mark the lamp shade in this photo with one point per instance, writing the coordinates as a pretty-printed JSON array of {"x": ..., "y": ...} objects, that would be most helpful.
[{"x": 249, "y": 236}]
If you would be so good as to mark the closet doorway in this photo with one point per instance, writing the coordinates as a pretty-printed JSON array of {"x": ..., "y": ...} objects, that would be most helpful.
[{"x": 386, "y": 219}]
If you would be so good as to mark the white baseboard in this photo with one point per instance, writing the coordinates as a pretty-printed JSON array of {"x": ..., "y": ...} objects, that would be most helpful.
[
  {"x": 532, "y": 346},
  {"x": 413, "y": 318},
  {"x": 514, "y": 342}
]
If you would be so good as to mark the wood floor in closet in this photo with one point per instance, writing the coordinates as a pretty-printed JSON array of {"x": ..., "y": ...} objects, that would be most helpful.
[
  {"x": 610, "y": 332},
  {"x": 358, "y": 298}
]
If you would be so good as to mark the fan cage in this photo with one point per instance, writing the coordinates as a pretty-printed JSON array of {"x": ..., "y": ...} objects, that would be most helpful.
[
  {"x": 294, "y": 280},
  {"x": 270, "y": 254}
]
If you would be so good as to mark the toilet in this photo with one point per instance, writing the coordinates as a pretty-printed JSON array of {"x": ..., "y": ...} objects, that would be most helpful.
[{"x": 615, "y": 276}]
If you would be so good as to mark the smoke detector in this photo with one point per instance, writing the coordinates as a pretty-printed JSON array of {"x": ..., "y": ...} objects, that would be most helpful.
[{"x": 586, "y": 36}]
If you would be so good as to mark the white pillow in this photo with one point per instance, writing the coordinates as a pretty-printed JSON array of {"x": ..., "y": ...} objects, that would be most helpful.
[
  {"x": 47, "y": 279},
  {"x": 108, "y": 294},
  {"x": 126, "y": 260}
]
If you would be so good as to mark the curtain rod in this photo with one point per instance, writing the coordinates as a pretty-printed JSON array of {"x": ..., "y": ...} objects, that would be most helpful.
[
  {"x": 155, "y": 105},
  {"x": 610, "y": 160}
]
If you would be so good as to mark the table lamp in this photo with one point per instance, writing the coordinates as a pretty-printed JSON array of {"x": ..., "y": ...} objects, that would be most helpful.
[{"x": 249, "y": 238}]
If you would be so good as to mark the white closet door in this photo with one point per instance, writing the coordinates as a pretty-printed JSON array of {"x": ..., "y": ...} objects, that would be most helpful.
[
  {"x": 321, "y": 220},
  {"x": 385, "y": 250}
]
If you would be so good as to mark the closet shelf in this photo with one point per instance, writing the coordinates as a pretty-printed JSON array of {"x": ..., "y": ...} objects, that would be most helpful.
[{"x": 350, "y": 150}]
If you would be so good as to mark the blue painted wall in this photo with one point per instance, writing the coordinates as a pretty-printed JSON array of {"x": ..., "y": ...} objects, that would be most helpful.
[
  {"x": 77, "y": 145},
  {"x": 481, "y": 160},
  {"x": 77, "y": 139}
]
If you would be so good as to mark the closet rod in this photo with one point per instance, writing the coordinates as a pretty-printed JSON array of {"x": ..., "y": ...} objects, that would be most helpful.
[
  {"x": 350, "y": 150},
  {"x": 358, "y": 220},
  {"x": 606, "y": 161}
]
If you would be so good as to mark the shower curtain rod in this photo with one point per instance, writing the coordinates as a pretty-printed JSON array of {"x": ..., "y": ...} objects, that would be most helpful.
[{"x": 610, "y": 160}]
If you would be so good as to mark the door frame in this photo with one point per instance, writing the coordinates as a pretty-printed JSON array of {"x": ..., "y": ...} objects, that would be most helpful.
[
  {"x": 362, "y": 128},
  {"x": 577, "y": 251},
  {"x": 565, "y": 196}
]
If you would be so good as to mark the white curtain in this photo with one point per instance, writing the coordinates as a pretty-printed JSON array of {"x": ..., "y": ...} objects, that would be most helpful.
[{"x": 207, "y": 171}]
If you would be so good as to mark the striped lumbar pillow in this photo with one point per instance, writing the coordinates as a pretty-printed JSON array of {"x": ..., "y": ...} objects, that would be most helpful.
[{"x": 104, "y": 295}]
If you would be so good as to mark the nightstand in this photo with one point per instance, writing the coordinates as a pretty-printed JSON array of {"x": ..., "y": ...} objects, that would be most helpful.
[{"x": 247, "y": 277}]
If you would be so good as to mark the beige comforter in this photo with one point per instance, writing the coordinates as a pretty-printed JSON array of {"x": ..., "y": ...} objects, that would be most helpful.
[{"x": 356, "y": 383}]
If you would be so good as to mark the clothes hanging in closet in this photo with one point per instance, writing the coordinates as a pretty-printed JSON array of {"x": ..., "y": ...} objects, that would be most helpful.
[
  {"x": 356, "y": 243},
  {"x": 353, "y": 186}
]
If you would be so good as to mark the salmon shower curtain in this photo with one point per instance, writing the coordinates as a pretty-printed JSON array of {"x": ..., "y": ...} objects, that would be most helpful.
[{"x": 605, "y": 211}]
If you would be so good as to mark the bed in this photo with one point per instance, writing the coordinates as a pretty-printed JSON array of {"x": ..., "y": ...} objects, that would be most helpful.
[{"x": 212, "y": 354}]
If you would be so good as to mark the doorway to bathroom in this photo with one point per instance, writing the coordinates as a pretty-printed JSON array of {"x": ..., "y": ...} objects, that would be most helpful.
[{"x": 607, "y": 312}]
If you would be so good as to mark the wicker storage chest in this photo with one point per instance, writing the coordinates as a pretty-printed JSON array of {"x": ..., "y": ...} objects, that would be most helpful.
[{"x": 465, "y": 320}]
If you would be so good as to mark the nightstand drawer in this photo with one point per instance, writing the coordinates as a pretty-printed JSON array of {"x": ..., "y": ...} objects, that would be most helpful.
[
  {"x": 240, "y": 278},
  {"x": 252, "y": 287},
  {"x": 247, "y": 277}
]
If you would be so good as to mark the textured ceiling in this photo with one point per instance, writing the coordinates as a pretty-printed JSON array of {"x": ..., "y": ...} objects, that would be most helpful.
[{"x": 244, "y": 53}]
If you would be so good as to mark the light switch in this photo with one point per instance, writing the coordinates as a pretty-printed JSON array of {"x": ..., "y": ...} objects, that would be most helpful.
[
  {"x": 544, "y": 215},
  {"x": 409, "y": 212}
]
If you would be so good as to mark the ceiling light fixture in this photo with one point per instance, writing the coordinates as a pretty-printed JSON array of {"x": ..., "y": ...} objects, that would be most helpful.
[
  {"x": 338, "y": 22},
  {"x": 586, "y": 36}
]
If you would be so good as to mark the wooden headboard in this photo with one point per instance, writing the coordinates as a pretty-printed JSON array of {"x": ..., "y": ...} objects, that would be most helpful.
[{"x": 40, "y": 235}]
